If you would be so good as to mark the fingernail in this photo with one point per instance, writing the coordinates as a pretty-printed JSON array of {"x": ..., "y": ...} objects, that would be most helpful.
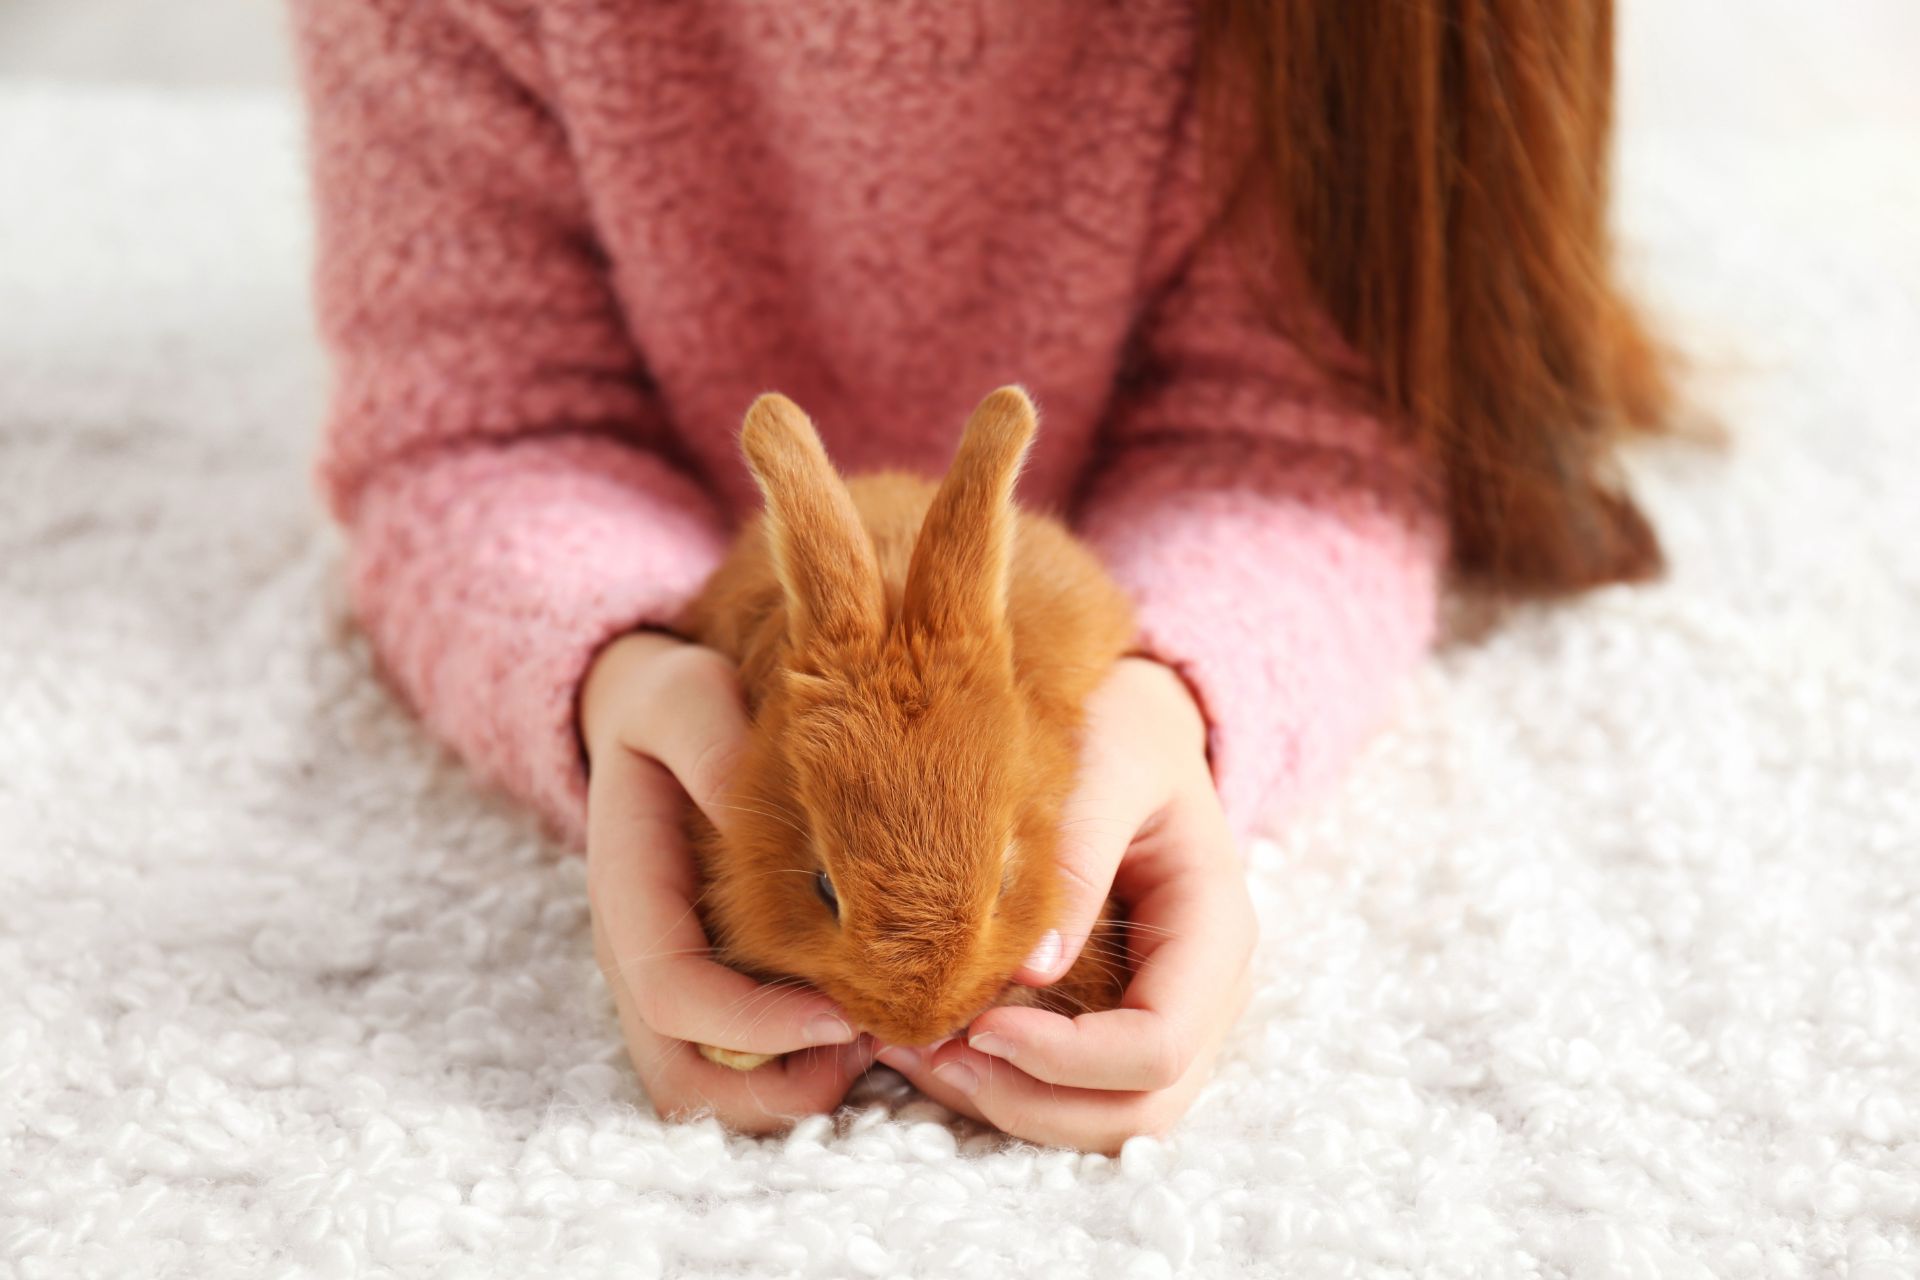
[
  {"x": 827, "y": 1029},
  {"x": 1046, "y": 953},
  {"x": 901, "y": 1059},
  {"x": 957, "y": 1075},
  {"x": 993, "y": 1046}
]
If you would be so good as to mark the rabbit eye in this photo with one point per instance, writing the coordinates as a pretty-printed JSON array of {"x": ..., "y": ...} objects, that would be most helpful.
[{"x": 823, "y": 885}]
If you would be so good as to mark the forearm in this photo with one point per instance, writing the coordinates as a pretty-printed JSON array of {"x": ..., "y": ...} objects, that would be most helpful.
[
  {"x": 489, "y": 577},
  {"x": 490, "y": 440},
  {"x": 1290, "y": 589}
]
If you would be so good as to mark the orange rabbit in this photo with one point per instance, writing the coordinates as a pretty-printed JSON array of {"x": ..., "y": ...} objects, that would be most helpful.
[{"x": 914, "y": 661}]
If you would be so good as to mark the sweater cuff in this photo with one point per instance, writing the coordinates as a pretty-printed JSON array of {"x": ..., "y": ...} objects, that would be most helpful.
[
  {"x": 488, "y": 579},
  {"x": 1289, "y": 602}
]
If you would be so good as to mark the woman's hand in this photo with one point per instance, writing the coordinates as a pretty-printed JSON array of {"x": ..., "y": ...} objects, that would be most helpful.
[
  {"x": 662, "y": 723},
  {"x": 1144, "y": 821}
]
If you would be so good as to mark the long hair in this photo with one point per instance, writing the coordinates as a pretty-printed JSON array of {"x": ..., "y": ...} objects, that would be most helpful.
[{"x": 1437, "y": 171}]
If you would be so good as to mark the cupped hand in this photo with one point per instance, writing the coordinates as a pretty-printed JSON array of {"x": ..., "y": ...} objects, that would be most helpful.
[
  {"x": 662, "y": 722},
  {"x": 1146, "y": 825}
]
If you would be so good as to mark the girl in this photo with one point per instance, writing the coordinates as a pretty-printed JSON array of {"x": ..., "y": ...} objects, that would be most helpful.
[{"x": 1314, "y": 294}]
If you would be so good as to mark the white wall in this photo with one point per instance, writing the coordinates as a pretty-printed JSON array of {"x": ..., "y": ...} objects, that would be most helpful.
[{"x": 165, "y": 42}]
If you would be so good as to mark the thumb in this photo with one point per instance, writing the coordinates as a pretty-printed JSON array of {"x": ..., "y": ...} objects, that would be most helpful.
[
  {"x": 1125, "y": 781},
  {"x": 1098, "y": 824},
  {"x": 692, "y": 721}
]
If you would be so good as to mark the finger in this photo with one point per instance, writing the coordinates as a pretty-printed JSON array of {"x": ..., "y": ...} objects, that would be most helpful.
[
  {"x": 691, "y": 719},
  {"x": 767, "y": 1100},
  {"x": 1086, "y": 1119},
  {"x": 1191, "y": 923},
  {"x": 1137, "y": 723},
  {"x": 1123, "y": 1049},
  {"x": 918, "y": 1070},
  {"x": 681, "y": 1084},
  {"x": 1093, "y": 839},
  {"x": 817, "y": 1079},
  {"x": 1111, "y": 800},
  {"x": 1193, "y": 929},
  {"x": 1120, "y": 1049},
  {"x": 648, "y": 935}
]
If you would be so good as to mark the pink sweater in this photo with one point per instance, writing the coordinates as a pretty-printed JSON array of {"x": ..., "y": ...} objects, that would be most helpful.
[{"x": 564, "y": 243}]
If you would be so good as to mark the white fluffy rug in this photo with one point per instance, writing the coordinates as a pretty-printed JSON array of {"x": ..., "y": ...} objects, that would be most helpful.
[{"x": 1605, "y": 963}]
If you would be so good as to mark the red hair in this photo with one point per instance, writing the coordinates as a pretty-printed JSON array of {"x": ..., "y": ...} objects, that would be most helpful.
[{"x": 1438, "y": 169}]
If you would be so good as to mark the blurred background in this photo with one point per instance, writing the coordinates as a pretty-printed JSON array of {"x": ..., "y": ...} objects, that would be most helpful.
[{"x": 164, "y": 42}]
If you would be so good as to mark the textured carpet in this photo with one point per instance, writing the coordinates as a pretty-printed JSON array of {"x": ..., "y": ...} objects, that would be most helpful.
[{"x": 1605, "y": 962}]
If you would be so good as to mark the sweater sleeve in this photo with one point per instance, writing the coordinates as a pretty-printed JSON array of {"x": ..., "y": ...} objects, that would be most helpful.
[
  {"x": 1282, "y": 547},
  {"x": 492, "y": 446}
]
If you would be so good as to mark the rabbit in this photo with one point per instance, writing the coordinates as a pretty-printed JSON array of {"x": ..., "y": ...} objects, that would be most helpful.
[{"x": 914, "y": 662}]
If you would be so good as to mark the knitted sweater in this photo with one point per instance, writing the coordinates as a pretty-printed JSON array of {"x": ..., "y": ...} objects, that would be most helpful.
[{"x": 564, "y": 243}]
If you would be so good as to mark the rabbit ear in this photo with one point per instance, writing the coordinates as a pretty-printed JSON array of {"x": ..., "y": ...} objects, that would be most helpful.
[
  {"x": 957, "y": 582},
  {"x": 821, "y": 552}
]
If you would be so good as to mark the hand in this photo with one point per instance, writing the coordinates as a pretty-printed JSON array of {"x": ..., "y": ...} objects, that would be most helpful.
[
  {"x": 1145, "y": 820},
  {"x": 662, "y": 722}
]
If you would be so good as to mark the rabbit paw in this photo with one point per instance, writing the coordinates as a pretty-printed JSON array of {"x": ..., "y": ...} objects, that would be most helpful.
[{"x": 735, "y": 1059}]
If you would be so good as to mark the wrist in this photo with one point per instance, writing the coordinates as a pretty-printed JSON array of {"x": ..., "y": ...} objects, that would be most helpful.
[
  {"x": 1175, "y": 708},
  {"x": 609, "y": 683}
]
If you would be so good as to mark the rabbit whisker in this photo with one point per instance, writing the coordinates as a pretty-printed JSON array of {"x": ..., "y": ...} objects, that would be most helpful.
[{"x": 765, "y": 813}]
